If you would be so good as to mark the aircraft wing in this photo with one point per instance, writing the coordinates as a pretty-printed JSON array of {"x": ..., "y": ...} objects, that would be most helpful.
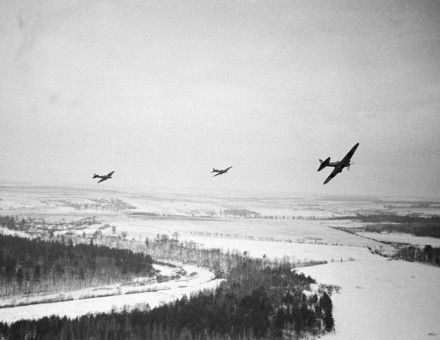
[
  {"x": 227, "y": 169},
  {"x": 350, "y": 153},
  {"x": 111, "y": 173},
  {"x": 218, "y": 173},
  {"x": 103, "y": 179},
  {"x": 333, "y": 174}
]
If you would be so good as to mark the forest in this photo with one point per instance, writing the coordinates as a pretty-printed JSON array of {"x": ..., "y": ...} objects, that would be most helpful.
[
  {"x": 428, "y": 254},
  {"x": 254, "y": 302},
  {"x": 34, "y": 266},
  {"x": 390, "y": 223},
  {"x": 391, "y": 218},
  {"x": 417, "y": 229}
]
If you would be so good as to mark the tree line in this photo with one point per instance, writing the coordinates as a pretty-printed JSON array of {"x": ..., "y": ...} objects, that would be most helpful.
[
  {"x": 428, "y": 228},
  {"x": 220, "y": 262},
  {"x": 35, "y": 266},
  {"x": 417, "y": 229},
  {"x": 428, "y": 254},
  {"x": 392, "y": 223}
]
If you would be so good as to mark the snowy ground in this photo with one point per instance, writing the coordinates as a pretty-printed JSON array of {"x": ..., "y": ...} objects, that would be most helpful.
[
  {"x": 93, "y": 200},
  {"x": 295, "y": 251},
  {"x": 6, "y": 231},
  {"x": 382, "y": 299},
  {"x": 313, "y": 231},
  {"x": 160, "y": 293}
]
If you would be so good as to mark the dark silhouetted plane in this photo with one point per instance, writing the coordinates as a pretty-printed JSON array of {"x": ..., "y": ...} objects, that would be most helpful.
[
  {"x": 338, "y": 166},
  {"x": 220, "y": 172},
  {"x": 103, "y": 178}
]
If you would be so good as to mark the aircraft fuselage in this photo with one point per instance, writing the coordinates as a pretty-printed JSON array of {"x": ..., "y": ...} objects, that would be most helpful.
[{"x": 336, "y": 164}]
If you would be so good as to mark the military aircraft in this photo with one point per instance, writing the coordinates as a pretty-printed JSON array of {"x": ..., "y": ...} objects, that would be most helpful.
[
  {"x": 220, "y": 172},
  {"x": 103, "y": 178},
  {"x": 338, "y": 166}
]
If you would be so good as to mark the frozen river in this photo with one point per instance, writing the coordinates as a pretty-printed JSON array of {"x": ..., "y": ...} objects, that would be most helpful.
[{"x": 164, "y": 292}]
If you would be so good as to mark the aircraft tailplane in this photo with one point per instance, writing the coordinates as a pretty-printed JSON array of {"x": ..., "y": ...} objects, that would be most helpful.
[
  {"x": 324, "y": 163},
  {"x": 95, "y": 176}
]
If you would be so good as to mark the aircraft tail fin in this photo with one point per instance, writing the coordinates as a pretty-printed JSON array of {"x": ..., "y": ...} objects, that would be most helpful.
[
  {"x": 323, "y": 163},
  {"x": 95, "y": 176}
]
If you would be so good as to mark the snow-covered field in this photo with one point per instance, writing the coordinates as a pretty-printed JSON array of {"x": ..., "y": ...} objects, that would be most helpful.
[
  {"x": 295, "y": 251},
  {"x": 160, "y": 293},
  {"x": 70, "y": 200},
  {"x": 382, "y": 299},
  {"x": 313, "y": 231}
]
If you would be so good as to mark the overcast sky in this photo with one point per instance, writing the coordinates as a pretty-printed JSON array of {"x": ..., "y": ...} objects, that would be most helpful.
[{"x": 162, "y": 91}]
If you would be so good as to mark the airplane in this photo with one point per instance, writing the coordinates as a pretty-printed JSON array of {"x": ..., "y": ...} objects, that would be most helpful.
[
  {"x": 220, "y": 172},
  {"x": 338, "y": 166},
  {"x": 103, "y": 178}
]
